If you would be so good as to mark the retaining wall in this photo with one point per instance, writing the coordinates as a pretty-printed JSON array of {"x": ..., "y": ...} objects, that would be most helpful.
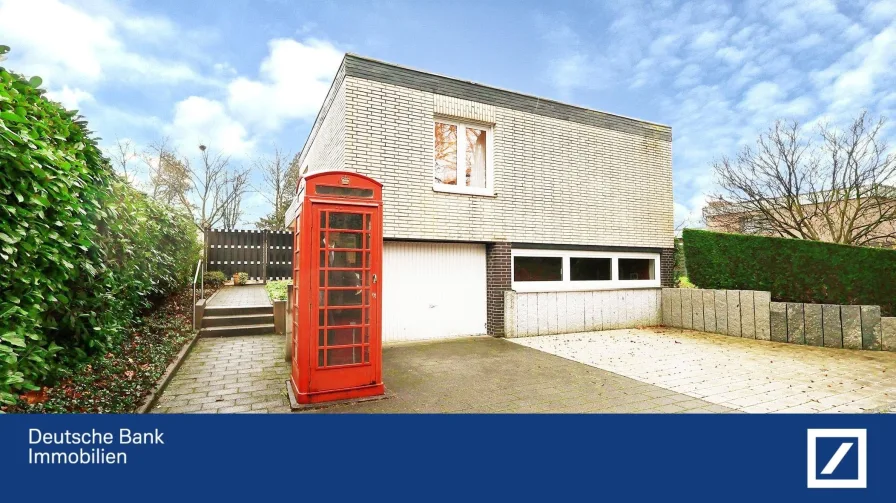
[{"x": 751, "y": 314}]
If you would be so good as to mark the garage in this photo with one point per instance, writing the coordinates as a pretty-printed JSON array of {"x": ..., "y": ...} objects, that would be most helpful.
[{"x": 433, "y": 290}]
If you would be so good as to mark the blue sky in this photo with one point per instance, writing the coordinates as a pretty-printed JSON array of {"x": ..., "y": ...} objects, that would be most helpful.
[{"x": 244, "y": 76}]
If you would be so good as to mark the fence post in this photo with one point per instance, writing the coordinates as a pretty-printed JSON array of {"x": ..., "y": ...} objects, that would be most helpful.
[
  {"x": 264, "y": 256},
  {"x": 205, "y": 245}
]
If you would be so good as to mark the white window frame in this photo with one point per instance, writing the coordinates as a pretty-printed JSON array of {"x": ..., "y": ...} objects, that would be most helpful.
[
  {"x": 567, "y": 285},
  {"x": 488, "y": 190}
]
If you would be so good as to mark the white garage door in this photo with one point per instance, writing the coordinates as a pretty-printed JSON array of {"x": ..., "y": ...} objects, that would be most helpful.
[{"x": 433, "y": 290}]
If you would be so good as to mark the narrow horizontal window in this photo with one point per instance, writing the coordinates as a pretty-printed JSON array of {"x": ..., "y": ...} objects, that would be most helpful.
[
  {"x": 329, "y": 190},
  {"x": 538, "y": 269},
  {"x": 636, "y": 269},
  {"x": 590, "y": 269}
]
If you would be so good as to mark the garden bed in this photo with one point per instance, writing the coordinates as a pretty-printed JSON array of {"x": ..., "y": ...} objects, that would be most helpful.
[{"x": 119, "y": 380}]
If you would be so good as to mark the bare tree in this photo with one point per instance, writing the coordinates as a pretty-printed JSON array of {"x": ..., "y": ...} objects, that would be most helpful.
[
  {"x": 168, "y": 177},
  {"x": 212, "y": 188},
  {"x": 839, "y": 188},
  {"x": 123, "y": 156},
  {"x": 280, "y": 175},
  {"x": 235, "y": 187}
]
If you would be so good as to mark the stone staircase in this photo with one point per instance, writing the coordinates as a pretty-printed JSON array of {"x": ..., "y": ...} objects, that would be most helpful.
[{"x": 224, "y": 321}]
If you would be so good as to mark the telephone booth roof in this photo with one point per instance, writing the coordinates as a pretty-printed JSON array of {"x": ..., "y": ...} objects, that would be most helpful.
[
  {"x": 345, "y": 185},
  {"x": 350, "y": 174},
  {"x": 338, "y": 179}
]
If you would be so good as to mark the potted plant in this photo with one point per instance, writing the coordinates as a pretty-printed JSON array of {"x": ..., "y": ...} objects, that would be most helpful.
[{"x": 240, "y": 278}]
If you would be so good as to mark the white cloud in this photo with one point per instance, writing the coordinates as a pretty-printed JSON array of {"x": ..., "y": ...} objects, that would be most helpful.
[
  {"x": 809, "y": 41},
  {"x": 881, "y": 11},
  {"x": 572, "y": 71},
  {"x": 719, "y": 74},
  {"x": 293, "y": 80},
  {"x": 731, "y": 55},
  {"x": 73, "y": 46},
  {"x": 201, "y": 121},
  {"x": 762, "y": 96},
  {"x": 70, "y": 98},
  {"x": 706, "y": 40},
  {"x": 852, "y": 81}
]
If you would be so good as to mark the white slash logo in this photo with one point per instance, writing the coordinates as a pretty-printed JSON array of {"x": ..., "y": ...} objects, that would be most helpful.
[{"x": 827, "y": 478}]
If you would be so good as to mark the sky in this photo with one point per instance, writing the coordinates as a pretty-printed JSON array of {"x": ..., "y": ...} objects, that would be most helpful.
[{"x": 247, "y": 76}]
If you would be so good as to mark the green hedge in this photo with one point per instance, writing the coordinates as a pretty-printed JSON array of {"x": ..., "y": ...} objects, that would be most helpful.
[
  {"x": 793, "y": 270},
  {"x": 81, "y": 252}
]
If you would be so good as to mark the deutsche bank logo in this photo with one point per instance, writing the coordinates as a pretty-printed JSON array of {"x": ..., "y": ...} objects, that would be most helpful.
[{"x": 837, "y": 459}]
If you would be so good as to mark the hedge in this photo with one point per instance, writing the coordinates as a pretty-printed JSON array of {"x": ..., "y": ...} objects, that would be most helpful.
[
  {"x": 793, "y": 270},
  {"x": 81, "y": 252}
]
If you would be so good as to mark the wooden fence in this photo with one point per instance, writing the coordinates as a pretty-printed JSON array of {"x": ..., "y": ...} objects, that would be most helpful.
[{"x": 263, "y": 255}]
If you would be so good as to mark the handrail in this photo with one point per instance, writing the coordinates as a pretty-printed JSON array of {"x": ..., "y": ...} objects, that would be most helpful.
[{"x": 201, "y": 286}]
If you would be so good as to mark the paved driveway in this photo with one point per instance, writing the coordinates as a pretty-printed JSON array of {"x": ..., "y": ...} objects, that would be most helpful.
[
  {"x": 478, "y": 374},
  {"x": 743, "y": 374}
]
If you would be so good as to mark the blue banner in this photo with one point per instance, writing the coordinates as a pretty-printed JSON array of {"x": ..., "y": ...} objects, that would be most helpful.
[{"x": 729, "y": 457}]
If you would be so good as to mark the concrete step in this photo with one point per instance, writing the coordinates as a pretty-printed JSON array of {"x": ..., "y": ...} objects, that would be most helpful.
[
  {"x": 229, "y": 331},
  {"x": 239, "y": 319},
  {"x": 238, "y": 310}
]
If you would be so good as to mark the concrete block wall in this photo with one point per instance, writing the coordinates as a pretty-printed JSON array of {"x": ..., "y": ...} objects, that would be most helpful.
[
  {"x": 752, "y": 315},
  {"x": 548, "y": 313},
  {"x": 730, "y": 312}
]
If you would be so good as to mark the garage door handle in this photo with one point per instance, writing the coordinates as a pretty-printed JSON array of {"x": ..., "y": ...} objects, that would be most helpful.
[{"x": 374, "y": 278}]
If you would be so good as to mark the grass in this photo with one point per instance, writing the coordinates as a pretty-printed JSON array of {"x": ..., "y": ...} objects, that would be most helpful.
[
  {"x": 277, "y": 289},
  {"x": 684, "y": 282}
]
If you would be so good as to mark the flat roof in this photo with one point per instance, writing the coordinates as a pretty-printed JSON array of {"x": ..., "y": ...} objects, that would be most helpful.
[{"x": 390, "y": 73}]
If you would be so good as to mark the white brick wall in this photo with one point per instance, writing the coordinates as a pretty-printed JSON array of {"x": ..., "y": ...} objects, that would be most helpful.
[
  {"x": 556, "y": 181},
  {"x": 326, "y": 152}
]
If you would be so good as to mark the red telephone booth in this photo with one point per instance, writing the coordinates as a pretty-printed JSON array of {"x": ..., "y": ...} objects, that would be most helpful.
[{"x": 337, "y": 337}]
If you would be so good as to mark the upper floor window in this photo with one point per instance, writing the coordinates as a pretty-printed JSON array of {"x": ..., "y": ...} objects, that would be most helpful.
[{"x": 462, "y": 158}]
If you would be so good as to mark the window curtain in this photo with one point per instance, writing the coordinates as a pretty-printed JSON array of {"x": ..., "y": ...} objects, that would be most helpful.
[{"x": 477, "y": 166}]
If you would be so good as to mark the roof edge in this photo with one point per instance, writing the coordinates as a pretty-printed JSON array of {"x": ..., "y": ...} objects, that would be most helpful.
[{"x": 351, "y": 55}]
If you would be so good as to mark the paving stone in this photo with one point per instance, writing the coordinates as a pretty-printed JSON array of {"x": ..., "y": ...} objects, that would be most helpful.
[
  {"x": 246, "y": 295},
  {"x": 687, "y": 311},
  {"x": 721, "y": 312},
  {"x": 796, "y": 323},
  {"x": 709, "y": 310},
  {"x": 852, "y": 326},
  {"x": 778, "y": 321},
  {"x": 733, "y": 298},
  {"x": 747, "y": 315},
  {"x": 888, "y": 334},
  {"x": 463, "y": 375},
  {"x": 832, "y": 326},
  {"x": 814, "y": 328},
  {"x": 871, "y": 327},
  {"x": 761, "y": 301}
]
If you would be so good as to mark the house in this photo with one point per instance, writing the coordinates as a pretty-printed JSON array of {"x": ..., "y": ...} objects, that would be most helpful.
[
  {"x": 488, "y": 191},
  {"x": 821, "y": 216}
]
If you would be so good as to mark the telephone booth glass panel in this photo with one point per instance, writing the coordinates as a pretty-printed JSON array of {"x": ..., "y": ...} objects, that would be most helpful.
[{"x": 343, "y": 287}]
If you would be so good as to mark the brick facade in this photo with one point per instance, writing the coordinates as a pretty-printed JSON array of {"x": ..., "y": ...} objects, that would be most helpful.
[
  {"x": 497, "y": 278},
  {"x": 562, "y": 174},
  {"x": 667, "y": 263}
]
